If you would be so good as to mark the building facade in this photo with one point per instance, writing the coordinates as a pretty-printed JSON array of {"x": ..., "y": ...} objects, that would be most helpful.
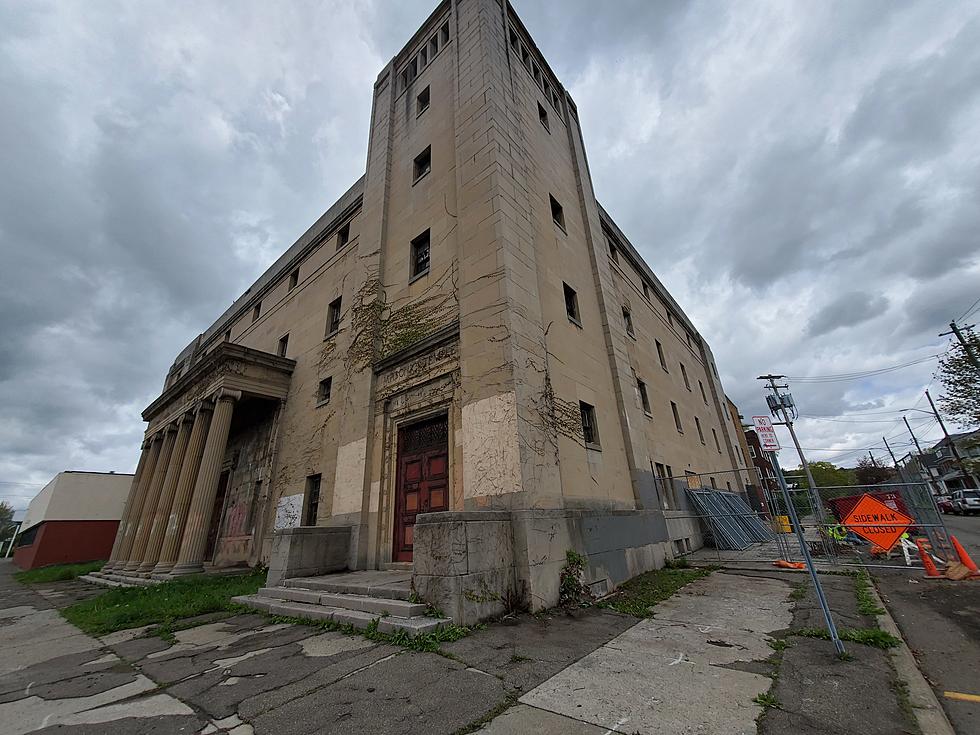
[
  {"x": 74, "y": 518},
  {"x": 463, "y": 365}
]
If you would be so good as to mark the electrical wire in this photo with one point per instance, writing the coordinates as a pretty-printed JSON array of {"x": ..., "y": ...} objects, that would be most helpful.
[
  {"x": 843, "y": 377},
  {"x": 969, "y": 311}
]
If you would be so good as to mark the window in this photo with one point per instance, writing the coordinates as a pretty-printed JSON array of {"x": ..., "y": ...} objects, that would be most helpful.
[
  {"x": 283, "y": 345},
  {"x": 728, "y": 485},
  {"x": 557, "y": 214},
  {"x": 556, "y": 99},
  {"x": 687, "y": 382},
  {"x": 628, "y": 322},
  {"x": 293, "y": 279},
  {"x": 717, "y": 443},
  {"x": 445, "y": 34},
  {"x": 422, "y": 102},
  {"x": 660, "y": 354},
  {"x": 420, "y": 255},
  {"x": 663, "y": 480},
  {"x": 697, "y": 423},
  {"x": 228, "y": 336},
  {"x": 704, "y": 396},
  {"x": 323, "y": 391},
  {"x": 513, "y": 40},
  {"x": 646, "y": 291},
  {"x": 688, "y": 335},
  {"x": 526, "y": 57},
  {"x": 641, "y": 387},
  {"x": 311, "y": 506},
  {"x": 256, "y": 312},
  {"x": 343, "y": 236},
  {"x": 423, "y": 163},
  {"x": 413, "y": 69},
  {"x": 677, "y": 417},
  {"x": 433, "y": 46},
  {"x": 613, "y": 253},
  {"x": 571, "y": 304},
  {"x": 589, "y": 431},
  {"x": 424, "y": 56},
  {"x": 543, "y": 117},
  {"x": 333, "y": 316},
  {"x": 752, "y": 451}
]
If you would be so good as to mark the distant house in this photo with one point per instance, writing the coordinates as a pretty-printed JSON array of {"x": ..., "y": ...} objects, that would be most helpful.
[
  {"x": 73, "y": 519},
  {"x": 938, "y": 465}
]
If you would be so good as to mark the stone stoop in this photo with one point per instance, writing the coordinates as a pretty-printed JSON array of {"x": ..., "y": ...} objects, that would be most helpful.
[
  {"x": 109, "y": 579},
  {"x": 356, "y": 598}
]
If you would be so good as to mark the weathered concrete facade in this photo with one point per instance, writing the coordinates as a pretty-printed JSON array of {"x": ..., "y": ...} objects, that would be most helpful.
[{"x": 463, "y": 362}]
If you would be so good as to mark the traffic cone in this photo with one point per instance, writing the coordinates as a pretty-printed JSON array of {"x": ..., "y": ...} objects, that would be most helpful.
[
  {"x": 927, "y": 562},
  {"x": 965, "y": 559}
]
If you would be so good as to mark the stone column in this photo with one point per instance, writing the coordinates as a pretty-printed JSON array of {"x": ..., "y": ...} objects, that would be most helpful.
[
  {"x": 121, "y": 530},
  {"x": 177, "y": 518},
  {"x": 191, "y": 557},
  {"x": 136, "y": 507},
  {"x": 150, "y": 502},
  {"x": 162, "y": 514}
]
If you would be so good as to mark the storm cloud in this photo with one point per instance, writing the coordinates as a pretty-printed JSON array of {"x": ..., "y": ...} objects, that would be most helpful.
[{"x": 802, "y": 176}]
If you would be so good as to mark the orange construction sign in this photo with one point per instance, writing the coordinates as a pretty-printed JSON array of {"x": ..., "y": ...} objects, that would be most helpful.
[{"x": 874, "y": 521}]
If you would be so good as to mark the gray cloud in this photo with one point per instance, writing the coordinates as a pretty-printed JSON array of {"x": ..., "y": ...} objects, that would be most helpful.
[{"x": 846, "y": 310}]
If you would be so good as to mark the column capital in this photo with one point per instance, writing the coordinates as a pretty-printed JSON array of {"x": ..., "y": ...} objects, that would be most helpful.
[{"x": 226, "y": 394}]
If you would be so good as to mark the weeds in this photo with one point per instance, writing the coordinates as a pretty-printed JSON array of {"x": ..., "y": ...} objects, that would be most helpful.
[
  {"x": 874, "y": 637},
  {"x": 766, "y": 700},
  {"x": 866, "y": 603},
  {"x": 572, "y": 591},
  {"x": 798, "y": 593},
  {"x": 639, "y": 594},
  {"x": 779, "y": 644}
]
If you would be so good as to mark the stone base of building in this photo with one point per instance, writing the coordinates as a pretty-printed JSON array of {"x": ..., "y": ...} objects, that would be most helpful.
[
  {"x": 476, "y": 565},
  {"x": 308, "y": 551}
]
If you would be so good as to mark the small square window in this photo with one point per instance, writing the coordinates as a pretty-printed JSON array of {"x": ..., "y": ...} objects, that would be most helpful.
[
  {"x": 571, "y": 304},
  {"x": 590, "y": 432},
  {"x": 646, "y": 291},
  {"x": 343, "y": 236},
  {"x": 423, "y": 163},
  {"x": 333, "y": 316},
  {"x": 543, "y": 117},
  {"x": 445, "y": 34},
  {"x": 293, "y": 279},
  {"x": 628, "y": 322},
  {"x": 677, "y": 417},
  {"x": 557, "y": 213},
  {"x": 324, "y": 390},
  {"x": 704, "y": 396},
  {"x": 687, "y": 382},
  {"x": 697, "y": 423},
  {"x": 420, "y": 255},
  {"x": 613, "y": 253},
  {"x": 660, "y": 354},
  {"x": 256, "y": 312},
  {"x": 311, "y": 506},
  {"x": 422, "y": 102},
  {"x": 283, "y": 345},
  {"x": 644, "y": 398}
]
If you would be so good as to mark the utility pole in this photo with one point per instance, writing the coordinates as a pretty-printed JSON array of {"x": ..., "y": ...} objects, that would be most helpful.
[
  {"x": 967, "y": 347},
  {"x": 918, "y": 449},
  {"x": 892, "y": 455},
  {"x": 952, "y": 444},
  {"x": 874, "y": 462}
]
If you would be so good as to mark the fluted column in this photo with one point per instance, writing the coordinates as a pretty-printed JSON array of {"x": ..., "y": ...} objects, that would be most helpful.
[
  {"x": 150, "y": 502},
  {"x": 190, "y": 560},
  {"x": 162, "y": 514},
  {"x": 177, "y": 518},
  {"x": 121, "y": 530},
  {"x": 136, "y": 507}
]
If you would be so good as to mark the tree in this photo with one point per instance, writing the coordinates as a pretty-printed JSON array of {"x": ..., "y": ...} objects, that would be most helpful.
[
  {"x": 825, "y": 474},
  {"x": 6, "y": 521},
  {"x": 960, "y": 379},
  {"x": 868, "y": 473}
]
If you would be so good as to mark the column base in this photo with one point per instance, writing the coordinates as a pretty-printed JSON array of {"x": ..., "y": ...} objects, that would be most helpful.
[
  {"x": 109, "y": 566},
  {"x": 145, "y": 569},
  {"x": 185, "y": 570},
  {"x": 161, "y": 571},
  {"x": 130, "y": 567}
]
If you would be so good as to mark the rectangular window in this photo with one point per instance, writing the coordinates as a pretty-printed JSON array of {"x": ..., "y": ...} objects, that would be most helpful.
[
  {"x": 283, "y": 345},
  {"x": 556, "y": 99},
  {"x": 557, "y": 213},
  {"x": 628, "y": 322},
  {"x": 571, "y": 304},
  {"x": 433, "y": 47},
  {"x": 688, "y": 334},
  {"x": 644, "y": 398},
  {"x": 324, "y": 390},
  {"x": 687, "y": 383},
  {"x": 228, "y": 336},
  {"x": 660, "y": 354},
  {"x": 526, "y": 57},
  {"x": 445, "y": 34},
  {"x": 422, "y": 102},
  {"x": 413, "y": 69},
  {"x": 333, "y": 316},
  {"x": 613, "y": 253},
  {"x": 343, "y": 236},
  {"x": 256, "y": 312},
  {"x": 697, "y": 423},
  {"x": 423, "y": 56},
  {"x": 704, "y": 396},
  {"x": 513, "y": 40},
  {"x": 752, "y": 451},
  {"x": 677, "y": 417},
  {"x": 589, "y": 430},
  {"x": 420, "y": 255},
  {"x": 293, "y": 279},
  {"x": 543, "y": 117},
  {"x": 646, "y": 291},
  {"x": 423, "y": 163},
  {"x": 311, "y": 506},
  {"x": 717, "y": 443}
]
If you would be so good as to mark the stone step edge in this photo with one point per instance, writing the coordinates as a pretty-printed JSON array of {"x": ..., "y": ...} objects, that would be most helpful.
[
  {"x": 363, "y": 603},
  {"x": 360, "y": 620},
  {"x": 380, "y": 591}
]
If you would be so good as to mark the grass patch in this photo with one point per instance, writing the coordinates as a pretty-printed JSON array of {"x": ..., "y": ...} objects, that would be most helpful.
[
  {"x": 639, "y": 594},
  {"x": 866, "y": 603},
  {"x": 778, "y": 644},
  {"x": 798, "y": 593},
  {"x": 874, "y": 637},
  {"x": 58, "y": 572},
  {"x": 130, "y": 607},
  {"x": 766, "y": 700}
]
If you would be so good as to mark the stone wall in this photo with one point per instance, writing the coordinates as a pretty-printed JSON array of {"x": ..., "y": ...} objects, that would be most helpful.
[{"x": 307, "y": 551}]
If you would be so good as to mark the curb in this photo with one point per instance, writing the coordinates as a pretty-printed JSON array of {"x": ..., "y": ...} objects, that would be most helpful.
[{"x": 928, "y": 712}]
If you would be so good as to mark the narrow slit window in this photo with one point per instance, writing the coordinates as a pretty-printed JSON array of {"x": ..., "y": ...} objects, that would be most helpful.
[
  {"x": 513, "y": 40},
  {"x": 571, "y": 304},
  {"x": 445, "y": 34},
  {"x": 677, "y": 417},
  {"x": 557, "y": 213},
  {"x": 613, "y": 253},
  {"x": 543, "y": 117},
  {"x": 333, "y": 316},
  {"x": 343, "y": 236},
  {"x": 717, "y": 443},
  {"x": 687, "y": 382},
  {"x": 646, "y": 291},
  {"x": 697, "y": 423},
  {"x": 590, "y": 432},
  {"x": 644, "y": 398},
  {"x": 283, "y": 345},
  {"x": 422, "y": 102},
  {"x": 293, "y": 279},
  {"x": 324, "y": 390},
  {"x": 433, "y": 47},
  {"x": 413, "y": 69},
  {"x": 312, "y": 505},
  {"x": 423, "y": 56},
  {"x": 628, "y": 322},
  {"x": 660, "y": 354},
  {"x": 526, "y": 57},
  {"x": 256, "y": 312},
  {"x": 228, "y": 336},
  {"x": 704, "y": 396},
  {"x": 423, "y": 163},
  {"x": 420, "y": 254}
]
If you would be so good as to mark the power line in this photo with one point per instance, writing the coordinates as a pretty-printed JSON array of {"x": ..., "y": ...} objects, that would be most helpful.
[
  {"x": 842, "y": 377},
  {"x": 969, "y": 311}
]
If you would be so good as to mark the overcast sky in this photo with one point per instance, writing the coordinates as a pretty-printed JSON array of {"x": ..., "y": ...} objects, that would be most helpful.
[{"x": 804, "y": 177}]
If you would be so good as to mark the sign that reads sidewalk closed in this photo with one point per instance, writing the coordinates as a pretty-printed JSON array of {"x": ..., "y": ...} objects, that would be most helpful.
[
  {"x": 766, "y": 433},
  {"x": 874, "y": 521}
]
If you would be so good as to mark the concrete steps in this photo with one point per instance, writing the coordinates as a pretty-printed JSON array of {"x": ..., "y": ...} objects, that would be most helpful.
[{"x": 112, "y": 579}]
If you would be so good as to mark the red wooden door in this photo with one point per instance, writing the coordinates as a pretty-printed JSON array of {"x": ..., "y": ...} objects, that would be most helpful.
[{"x": 422, "y": 479}]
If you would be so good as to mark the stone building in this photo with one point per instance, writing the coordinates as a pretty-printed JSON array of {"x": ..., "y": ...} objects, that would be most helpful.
[{"x": 463, "y": 367}]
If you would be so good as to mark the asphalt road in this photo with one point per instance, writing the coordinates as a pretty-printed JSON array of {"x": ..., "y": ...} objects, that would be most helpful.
[{"x": 940, "y": 620}]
